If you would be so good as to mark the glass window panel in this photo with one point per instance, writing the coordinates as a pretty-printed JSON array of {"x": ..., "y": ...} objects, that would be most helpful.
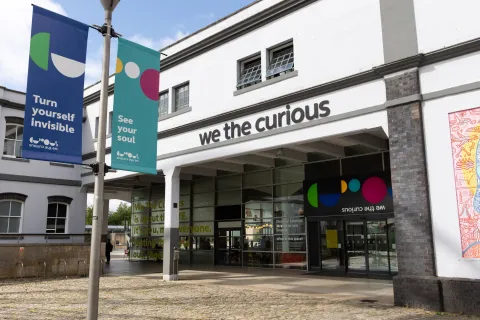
[
  {"x": 62, "y": 210},
  {"x": 60, "y": 222},
  {"x": 11, "y": 132},
  {"x": 204, "y": 214},
  {"x": 60, "y": 229},
  {"x": 202, "y": 257},
  {"x": 203, "y": 243},
  {"x": 51, "y": 224},
  {"x": 50, "y": 231},
  {"x": 289, "y": 174},
  {"x": 362, "y": 165},
  {"x": 18, "y": 149},
  {"x": 259, "y": 178},
  {"x": 229, "y": 182},
  {"x": 288, "y": 209},
  {"x": 289, "y": 225},
  {"x": 291, "y": 260},
  {"x": 290, "y": 243},
  {"x": 256, "y": 210},
  {"x": 185, "y": 201},
  {"x": 258, "y": 227},
  {"x": 258, "y": 259},
  {"x": 184, "y": 188},
  {"x": 229, "y": 197},
  {"x": 52, "y": 210},
  {"x": 19, "y": 133},
  {"x": 293, "y": 191},
  {"x": 203, "y": 185},
  {"x": 258, "y": 242},
  {"x": 204, "y": 228},
  {"x": 257, "y": 194},
  {"x": 9, "y": 147},
  {"x": 184, "y": 243},
  {"x": 4, "y": 225},
  {"x": 4, "y": 208},
  {"x": 15, "y": 209},
  {"x": 204, "y": 199}
]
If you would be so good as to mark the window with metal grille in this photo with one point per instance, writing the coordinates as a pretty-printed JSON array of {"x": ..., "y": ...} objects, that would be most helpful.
[
  {"x": 251, "y": 73},
  {"x": 182, "y": 97},
  {"x": 282, "y": 61},
  {"x": 10, "y": 216},
  {"x": 13, "y": 140},
  {"x": 56, "y": 217},
  {"x": 163, "y": 104}
]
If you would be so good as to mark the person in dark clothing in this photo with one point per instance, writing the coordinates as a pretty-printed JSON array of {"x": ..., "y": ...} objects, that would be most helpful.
[{"x": 108, "y": 249}]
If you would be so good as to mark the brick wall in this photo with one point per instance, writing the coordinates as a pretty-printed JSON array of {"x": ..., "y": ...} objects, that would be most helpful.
[{"x": 32, "y": 254}]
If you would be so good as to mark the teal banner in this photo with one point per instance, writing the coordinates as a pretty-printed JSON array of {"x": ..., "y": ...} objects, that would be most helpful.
[{"x": 135, "y": 108}]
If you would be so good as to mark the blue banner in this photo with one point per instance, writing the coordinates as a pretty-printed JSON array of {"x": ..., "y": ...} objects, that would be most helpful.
[{"x": 54, "y": 100}]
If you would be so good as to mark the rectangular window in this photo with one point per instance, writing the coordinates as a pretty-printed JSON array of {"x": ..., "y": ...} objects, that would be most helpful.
[
  {"x": 96, "y": 128},
  {"x": 13, "y": 140},
  {"x": 56, "y": 217},
  {"x": 182, "y": 97},
  {"x": 163, "y": 104},
  {"x": 110, "y": 122},
  {"x": 250, "y": 72},
  {"x": 281, "y": 61},
  {"x": 10, "y": 215}
]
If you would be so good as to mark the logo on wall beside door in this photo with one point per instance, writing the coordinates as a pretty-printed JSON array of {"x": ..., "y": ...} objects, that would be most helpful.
[{"x": 349, "y": 195}]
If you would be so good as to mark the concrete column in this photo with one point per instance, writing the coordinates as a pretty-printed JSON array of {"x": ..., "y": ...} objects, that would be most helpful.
[
  {"x": 416, "y": 284},
  {"x": 171, "y": 234}
]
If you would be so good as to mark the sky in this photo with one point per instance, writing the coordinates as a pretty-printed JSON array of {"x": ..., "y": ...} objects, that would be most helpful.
[{"x": 152, "y": 23}]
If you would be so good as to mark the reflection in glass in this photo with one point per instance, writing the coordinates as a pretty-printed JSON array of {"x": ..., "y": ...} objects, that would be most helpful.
[
  {"x": 288, "y": 209},
  {"x": 229, "y": 182},
  {"x": 291, "y": 192},
  {"x": 258, "y": 210},
  {"x": 356, "y": 246},
  {"x": 289, "y": 174},
  {"x": 258, "y": 242},
  {"x": 331, "y": 233},
  {"x": 295, "y": 225},
  {"x": 258, "y": 178},
  {"x": 291, "y": 260},
  {"x": 203, "y": 185},
  {"x": 377, "y": 246},
  {"x": 203, "y": 243},
  {"x": 258, "y": 259},
  {"x": 290, "y": 243},
  {"x": 204, "y": 199},
  {"x": 225, "y": 198},
  {"x": 204, "y": 214},
  {"x": 256, "y": 194},
  {"x": 202, "y": 257}
]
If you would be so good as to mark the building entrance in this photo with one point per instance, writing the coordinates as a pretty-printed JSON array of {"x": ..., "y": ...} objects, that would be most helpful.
[
  {"x": 228, "y": 248},
  {"x": 354, "y": 246}
]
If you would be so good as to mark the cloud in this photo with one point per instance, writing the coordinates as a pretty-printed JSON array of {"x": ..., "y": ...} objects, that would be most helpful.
[
  {"x": 15, "y": 28},
  {"x": 93, "y": 66},
  {"x": 160, "y": 43}
]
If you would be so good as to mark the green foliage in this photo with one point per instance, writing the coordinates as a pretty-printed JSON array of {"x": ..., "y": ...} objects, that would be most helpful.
[
  {"x": 89, "y": 216},
  {"x": 117, "y": 218}
]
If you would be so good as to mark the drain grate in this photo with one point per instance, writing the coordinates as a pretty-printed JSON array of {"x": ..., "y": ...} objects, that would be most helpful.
[{"x": 368, "y": 301}]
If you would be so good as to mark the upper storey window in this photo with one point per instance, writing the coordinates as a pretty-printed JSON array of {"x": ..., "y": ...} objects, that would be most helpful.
[
  {"x": 163, "y": 104},
  {"x": 250, "y": 72},
  {"x": 12, "y": 145},
  {"x": 182, "y": 96},
  {"x": 281, "y": 60}
]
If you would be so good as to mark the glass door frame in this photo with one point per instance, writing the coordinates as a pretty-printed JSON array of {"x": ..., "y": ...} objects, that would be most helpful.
[{"x": 228, "y": 249}]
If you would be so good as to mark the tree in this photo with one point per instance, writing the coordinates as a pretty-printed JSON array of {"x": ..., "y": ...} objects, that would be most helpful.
[
  {"x": 89, "y": 216},
  {"x": 117, "y": 218}
]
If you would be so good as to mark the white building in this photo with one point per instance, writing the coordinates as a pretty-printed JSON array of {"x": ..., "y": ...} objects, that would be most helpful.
[{"x": 287, "y": 95}]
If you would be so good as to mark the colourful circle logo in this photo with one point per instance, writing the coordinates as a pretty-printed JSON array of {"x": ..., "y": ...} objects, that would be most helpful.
[
  {"x": 373, "y": 190},
  {"x": 148, "y": 78}
]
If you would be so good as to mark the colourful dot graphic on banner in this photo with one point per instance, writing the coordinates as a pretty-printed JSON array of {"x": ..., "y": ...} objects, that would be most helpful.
[
  {"x": 40, "y": 51},
  {"x": 149, "y": 83},
  {"x": 344, "y": 186},
  {"x": 374, "y": 190},
  {"x": 329, "y": 199},
  {"x": 312, "y": 195},
  {"x": 119, "y": 66},
  {"x": 132, "y": 70},
  {"x": 354, "y": 185}
]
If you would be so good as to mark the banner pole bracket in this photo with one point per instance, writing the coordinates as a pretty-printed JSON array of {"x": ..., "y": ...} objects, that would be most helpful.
[
  {"x": 103, "y": 30},
  {"x": 96, "y": 168}
]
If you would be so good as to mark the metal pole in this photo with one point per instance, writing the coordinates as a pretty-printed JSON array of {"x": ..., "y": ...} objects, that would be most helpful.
[{"x": 94, "y": 275}]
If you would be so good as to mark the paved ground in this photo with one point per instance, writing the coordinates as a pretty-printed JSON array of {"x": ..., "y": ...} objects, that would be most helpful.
[{"x": 216, "y": 294}]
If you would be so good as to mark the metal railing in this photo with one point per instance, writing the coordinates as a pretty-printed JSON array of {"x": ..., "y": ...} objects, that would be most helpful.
[
  {"x": 64, "y": 267},
  {"x": 39, "y": 263}
]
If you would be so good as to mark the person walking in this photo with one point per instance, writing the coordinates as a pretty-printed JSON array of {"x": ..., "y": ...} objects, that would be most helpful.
[{"x": 108, "y": 249}]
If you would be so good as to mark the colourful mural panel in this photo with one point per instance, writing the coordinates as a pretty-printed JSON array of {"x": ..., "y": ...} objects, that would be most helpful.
[{"x": 465, "y": 136}]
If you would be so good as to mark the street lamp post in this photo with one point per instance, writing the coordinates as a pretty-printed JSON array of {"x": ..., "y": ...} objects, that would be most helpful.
[{"x": 100, "y": 168}]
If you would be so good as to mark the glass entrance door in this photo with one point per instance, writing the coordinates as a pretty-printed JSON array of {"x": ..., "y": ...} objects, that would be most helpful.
[
  {"x": 229, "y": 248},
  {"x": 377, "y": 246},
  {"x": 356, "y": 246}
]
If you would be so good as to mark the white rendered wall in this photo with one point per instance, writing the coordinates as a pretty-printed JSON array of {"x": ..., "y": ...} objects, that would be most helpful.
[
  {"x": 34, "y": 218},
  {"x": 442, "y": 23},
  {"x": 443, "y": 198}
]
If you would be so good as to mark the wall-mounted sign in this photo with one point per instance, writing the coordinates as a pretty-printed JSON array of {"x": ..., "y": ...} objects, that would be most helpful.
[
  {"x": 54, "y": 98},
  {"x": 284, "y": 118},
  {"x": 135, "y": 108},
  {"x": 345, "y": 195}
]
